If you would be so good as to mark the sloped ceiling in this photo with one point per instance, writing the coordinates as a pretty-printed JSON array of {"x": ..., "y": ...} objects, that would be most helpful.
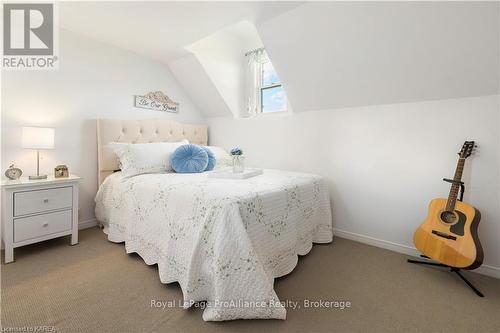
[
  {"x": 328, "y": 54},
  {"x": 160, "y": 29},
  {"x": 341, "y": 54}
]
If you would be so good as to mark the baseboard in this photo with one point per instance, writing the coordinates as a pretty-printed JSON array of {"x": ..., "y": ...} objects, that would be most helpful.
[
  {"x": 404, "y": 249},
  {"x": 87, "y": 224}
]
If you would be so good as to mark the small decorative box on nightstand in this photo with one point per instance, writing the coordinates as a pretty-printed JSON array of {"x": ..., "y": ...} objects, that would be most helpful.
[{"x": 37, "y": 210}]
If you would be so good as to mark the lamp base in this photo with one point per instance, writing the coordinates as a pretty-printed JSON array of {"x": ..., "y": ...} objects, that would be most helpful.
[{"x": 38, "y": 177}]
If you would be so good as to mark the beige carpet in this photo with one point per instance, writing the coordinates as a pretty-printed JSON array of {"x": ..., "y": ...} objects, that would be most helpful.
[{"x": 95, "y": 287}]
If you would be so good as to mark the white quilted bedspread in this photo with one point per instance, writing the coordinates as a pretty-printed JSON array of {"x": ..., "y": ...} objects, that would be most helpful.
[{"x": 223, "y": 240}]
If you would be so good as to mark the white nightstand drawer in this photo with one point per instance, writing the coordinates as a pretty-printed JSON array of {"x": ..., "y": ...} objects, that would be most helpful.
[
  {"x": 41, "y": 225},
  {"x": 38, "y": 201}
]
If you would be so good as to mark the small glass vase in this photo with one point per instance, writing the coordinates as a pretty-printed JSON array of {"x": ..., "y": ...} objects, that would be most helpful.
[{"x": 238, "y": 165}]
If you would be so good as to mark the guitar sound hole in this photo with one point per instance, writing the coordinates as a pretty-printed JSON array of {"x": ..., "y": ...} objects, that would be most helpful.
[{"x": 449, "y": 217}]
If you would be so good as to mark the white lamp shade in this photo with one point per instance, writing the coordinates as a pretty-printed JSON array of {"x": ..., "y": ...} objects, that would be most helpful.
[{"x": 38, "y": 138}]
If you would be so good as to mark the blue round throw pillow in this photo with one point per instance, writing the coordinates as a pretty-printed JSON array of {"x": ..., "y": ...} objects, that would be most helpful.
[
  {"x": 189, "y": 159},
  {"x": 211, "y": 159}
]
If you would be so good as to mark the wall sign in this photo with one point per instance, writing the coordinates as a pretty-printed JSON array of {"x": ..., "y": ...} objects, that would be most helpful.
[{"x": 156, "y": 101}]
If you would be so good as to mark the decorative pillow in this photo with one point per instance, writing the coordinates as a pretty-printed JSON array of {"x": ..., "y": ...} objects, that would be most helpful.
[
  {"x": 222, "y": 157},
  {"x": 211, "y": 159},
  {"x": 189, "y": 159},
  {"x": 139, "y": 158}
]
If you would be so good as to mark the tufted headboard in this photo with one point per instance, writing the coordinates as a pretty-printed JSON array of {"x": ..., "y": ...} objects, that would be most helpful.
[{"x": 140, "y": 131}]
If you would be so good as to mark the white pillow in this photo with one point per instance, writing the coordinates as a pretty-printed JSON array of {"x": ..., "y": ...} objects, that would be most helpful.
[
  {"x": 222, "y": 157},
  {"x": 139, "y": 158}
]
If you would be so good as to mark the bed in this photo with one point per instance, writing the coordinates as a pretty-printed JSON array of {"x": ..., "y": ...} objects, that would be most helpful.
[{"x": 223, "y": 240}]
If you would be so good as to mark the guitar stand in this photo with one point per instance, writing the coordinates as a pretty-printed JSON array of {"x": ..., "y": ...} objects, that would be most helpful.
[
  {"x": 452, "y": 269},
  {"x": 462, "y": 187}
]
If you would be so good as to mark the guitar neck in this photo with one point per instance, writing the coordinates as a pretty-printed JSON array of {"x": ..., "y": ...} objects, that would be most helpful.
[{"x": 455, "y": 187}]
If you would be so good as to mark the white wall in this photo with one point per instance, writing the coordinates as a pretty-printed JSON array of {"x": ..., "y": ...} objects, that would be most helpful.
[
  {"x": 383, "y": 163},
  {"x": 94, "y": 80},
  {"x": 192, "y": 76}
]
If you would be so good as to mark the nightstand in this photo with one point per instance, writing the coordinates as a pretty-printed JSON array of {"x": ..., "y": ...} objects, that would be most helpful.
[{"x": 37, "y": 210}]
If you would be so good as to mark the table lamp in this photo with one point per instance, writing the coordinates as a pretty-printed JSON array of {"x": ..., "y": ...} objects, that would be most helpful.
[{"x": 38, "y": 138}]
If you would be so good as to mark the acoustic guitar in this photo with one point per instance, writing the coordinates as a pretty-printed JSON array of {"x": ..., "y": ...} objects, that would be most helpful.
[{"x": 449, "y": 234}]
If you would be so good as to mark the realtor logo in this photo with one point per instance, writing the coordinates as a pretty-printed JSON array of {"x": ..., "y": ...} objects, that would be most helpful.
[{"x": 28, "y": 36}]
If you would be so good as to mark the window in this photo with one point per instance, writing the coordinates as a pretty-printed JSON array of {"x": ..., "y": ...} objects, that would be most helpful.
[
  {"x": 264, "y": 91},
  {"x": 272, "y": 95}
]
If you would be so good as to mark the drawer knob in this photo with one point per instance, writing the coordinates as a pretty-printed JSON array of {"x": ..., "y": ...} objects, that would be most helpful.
[
  {"x": 45, "y": 225},
  {"x": 45, "y": 200}
]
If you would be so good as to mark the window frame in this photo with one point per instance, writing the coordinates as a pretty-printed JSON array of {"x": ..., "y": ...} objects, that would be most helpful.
[{"x": 265, "y": 87}]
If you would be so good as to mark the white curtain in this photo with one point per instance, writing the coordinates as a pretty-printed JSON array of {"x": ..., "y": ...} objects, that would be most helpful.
[{"x": 254, "y": 60}]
